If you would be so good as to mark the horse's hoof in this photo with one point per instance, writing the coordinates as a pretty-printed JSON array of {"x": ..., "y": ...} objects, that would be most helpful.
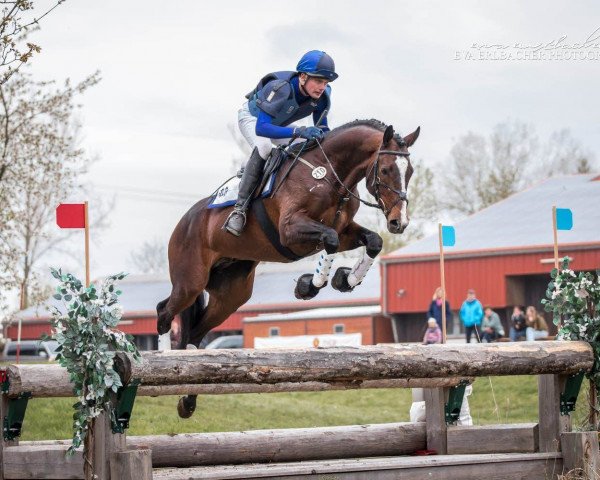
[
  {"x": 305, "y": 290},
  {"x": 186, "y": 407},
  {"x": 340, "y": 280},
  {"x": 163, "y": 325}
]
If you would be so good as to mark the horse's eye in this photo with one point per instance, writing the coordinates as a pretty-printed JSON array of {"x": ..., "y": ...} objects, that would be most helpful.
[{"x": 384, "y": 171}]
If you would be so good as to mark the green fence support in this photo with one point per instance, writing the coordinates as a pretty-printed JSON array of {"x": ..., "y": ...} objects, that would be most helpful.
[
  {"x": 125, "y": 400},
  {"x": 454, "y": 404},
  {"x": 13, "y": 421},
  {"x": 568, "y": 398}
]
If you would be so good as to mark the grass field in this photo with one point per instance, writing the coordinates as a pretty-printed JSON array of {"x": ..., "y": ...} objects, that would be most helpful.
[{"x": 495, "y": 400}]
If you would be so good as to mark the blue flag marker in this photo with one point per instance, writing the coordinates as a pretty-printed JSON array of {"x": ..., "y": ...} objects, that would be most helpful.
[
  {"x": 448, "y": 236},
  {"x": 564, "y": 219}
]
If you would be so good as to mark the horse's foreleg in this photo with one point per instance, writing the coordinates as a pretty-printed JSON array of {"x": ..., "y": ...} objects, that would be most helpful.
[
  {"x": 353, "y": 236},
  {"x": 300, "y": 229},
  {"x": 309, "y": 284}
]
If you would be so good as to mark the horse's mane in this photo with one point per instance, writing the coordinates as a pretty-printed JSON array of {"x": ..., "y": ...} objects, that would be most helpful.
[{"x": 372, "y": 123}]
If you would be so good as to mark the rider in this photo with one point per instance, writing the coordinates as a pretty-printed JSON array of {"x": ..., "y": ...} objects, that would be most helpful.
[{"x": 279, "y": 99}]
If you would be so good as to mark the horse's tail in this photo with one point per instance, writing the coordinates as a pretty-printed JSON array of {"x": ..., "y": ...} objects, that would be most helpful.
[{"x": 190, "y": 317}]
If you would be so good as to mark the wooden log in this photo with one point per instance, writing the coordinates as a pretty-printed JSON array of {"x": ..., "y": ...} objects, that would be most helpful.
[
  {"x": 510, "y": 438},
  {"x": 220, "y": 389},
  {"x": 47, "y": 380},
  {"x": 580, "y": 451},
  {"x": 42, "y": 461},
  {"x": 292, "y": 444},
  {"x": 52, "y": 380},
  {"x": 346, "y": 364},
  {"x": 530, "y": 466},
  {"x": 131, "y": 465}
]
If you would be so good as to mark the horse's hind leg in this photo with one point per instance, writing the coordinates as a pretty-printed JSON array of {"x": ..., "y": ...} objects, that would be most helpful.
[
  {"x": 229, "y": 288},
  {"x": 186, "y": 288}
]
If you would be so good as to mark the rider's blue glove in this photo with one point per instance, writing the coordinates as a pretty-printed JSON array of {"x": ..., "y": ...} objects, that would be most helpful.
[{"x": 309, "y": 133}]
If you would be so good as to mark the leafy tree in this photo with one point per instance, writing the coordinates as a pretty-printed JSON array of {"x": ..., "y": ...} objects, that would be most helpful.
[
  {"x": 41, "y": 164},
  {"x": 484, "y": 170}
]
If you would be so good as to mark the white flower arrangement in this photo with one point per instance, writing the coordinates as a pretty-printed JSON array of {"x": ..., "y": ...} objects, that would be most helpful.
[
  {"x": 88, "y": 342},
  {"x": 574, "y": 298}
]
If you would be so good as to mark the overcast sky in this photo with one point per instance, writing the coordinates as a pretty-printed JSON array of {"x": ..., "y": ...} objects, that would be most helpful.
[{"x": 175, "y": 73}]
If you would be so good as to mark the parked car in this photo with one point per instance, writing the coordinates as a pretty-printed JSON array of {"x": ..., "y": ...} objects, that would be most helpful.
[
  {"x": 31, "y": 351},
  {"x": 227, "y": 341}
]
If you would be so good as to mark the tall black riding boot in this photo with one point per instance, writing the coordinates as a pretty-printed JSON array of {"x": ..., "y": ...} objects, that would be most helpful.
[{"x": 237, "y": 218}]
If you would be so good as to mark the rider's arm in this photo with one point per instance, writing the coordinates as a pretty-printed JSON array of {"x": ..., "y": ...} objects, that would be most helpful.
[
  {"x": 317, "y": 114},
  {"x": 265, "y": 127}
]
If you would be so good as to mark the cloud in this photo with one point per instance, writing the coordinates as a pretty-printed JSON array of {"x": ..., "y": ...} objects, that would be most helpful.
[{"x": 291, "y": 41}]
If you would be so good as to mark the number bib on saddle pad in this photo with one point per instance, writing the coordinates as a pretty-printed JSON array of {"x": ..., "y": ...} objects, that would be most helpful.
[{"x": 227, "y": 194}]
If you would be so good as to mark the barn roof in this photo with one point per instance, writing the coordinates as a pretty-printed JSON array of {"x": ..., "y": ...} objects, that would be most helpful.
[
  {"x": 274, "y": 286},
  {"x": 523, "y": 220}
]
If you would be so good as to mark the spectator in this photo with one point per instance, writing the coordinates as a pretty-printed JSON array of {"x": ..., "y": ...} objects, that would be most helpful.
[
  {"x": 536, "y": 325},
  {"x": 491, "y": 327},
  {"x": 518, "y": 324},
  {"x": 433, "y": 334},
  {"x": 471, "y": 314},
  {"x": 435, "y": 309}
]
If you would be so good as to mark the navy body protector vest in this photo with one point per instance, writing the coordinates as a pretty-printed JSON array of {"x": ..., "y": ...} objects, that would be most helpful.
[{"x": 274, "y": 95}]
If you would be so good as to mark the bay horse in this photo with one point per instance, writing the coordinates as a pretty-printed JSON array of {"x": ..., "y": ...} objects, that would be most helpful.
[{"x": 312, "y": 210}]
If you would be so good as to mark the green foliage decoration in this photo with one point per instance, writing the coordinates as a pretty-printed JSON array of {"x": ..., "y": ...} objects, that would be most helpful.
[
  {"x": 574, "y": 299},
  {"x": 88, "y": 341}
]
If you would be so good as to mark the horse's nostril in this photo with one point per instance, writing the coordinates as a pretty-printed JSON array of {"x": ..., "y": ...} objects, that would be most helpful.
[{"x": 394, "y": 223}]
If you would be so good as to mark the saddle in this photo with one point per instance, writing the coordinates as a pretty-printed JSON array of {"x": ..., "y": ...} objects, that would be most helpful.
[{"x": 278, "y": 157}]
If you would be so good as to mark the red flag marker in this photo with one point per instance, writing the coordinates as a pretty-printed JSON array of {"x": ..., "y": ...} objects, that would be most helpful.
[
  {"x": 70, "y": 215},
  {"x": 75, "y": 215}
]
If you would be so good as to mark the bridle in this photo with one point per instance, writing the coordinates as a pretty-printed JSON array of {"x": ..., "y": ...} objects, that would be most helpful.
[{"x": 377, "y": 183}]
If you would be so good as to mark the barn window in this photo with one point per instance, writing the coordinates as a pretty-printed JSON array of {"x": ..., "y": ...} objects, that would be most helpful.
[
  {"x": 338, "y": 328},
  {"x": 274, "y": 332}
]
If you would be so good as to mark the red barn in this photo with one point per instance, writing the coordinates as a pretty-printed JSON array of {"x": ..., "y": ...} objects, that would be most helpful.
[
  {"x": 273, "y": 294},
  {"x": 504, "y": 252}
]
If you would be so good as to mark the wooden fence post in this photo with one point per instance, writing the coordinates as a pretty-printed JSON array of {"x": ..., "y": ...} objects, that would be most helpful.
[
  {"x": 435, "y": 410},
  {"x": 580, "y": 451},
  {"x": 102, "y": 444},
  {"x": 131, "y": 465},
  {"x": 551, "y": 422}
]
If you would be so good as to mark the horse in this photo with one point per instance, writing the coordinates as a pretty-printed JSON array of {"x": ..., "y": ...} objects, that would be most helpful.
[{"x": 312, "y": 210}]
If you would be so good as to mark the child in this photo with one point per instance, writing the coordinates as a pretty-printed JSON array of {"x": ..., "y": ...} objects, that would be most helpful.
[{"x": 433, "y": 334}]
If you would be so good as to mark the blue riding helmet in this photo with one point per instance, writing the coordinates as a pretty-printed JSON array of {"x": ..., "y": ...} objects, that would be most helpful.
[{"x": 317, "y": 64}]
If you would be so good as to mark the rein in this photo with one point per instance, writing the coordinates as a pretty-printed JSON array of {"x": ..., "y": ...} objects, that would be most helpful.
[{"x": 376, "y": 180}]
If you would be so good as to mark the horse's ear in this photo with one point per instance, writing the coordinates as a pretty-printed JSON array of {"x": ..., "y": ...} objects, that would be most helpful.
[
  {"x": 412, "y": 137},
  {"x": 388, "y": 134}
]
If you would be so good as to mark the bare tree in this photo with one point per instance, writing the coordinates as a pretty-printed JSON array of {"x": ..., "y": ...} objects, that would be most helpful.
[
  {"x": 564, "y": 154},
  {"x": 150, "y": 258},
  {"x": 484, "y": 170},
  {"x": 19, "y": 18},
  {"x": 41, "y": 165}
]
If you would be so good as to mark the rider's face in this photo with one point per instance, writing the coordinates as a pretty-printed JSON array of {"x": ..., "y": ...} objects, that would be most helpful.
[{"x": 313, "y": 86}]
